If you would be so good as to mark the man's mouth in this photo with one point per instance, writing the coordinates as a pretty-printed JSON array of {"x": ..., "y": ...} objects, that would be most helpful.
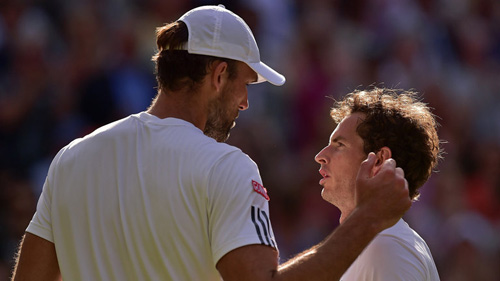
[{"x": 324, "y": 175}]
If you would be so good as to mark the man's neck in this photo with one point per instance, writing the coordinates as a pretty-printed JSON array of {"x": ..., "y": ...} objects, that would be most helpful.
[
  {"x": 344, "y": 214},
  {"x": 174, "y": 105}
]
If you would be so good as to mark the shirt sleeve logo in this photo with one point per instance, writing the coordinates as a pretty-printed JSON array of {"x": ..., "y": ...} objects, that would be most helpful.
[
  {"x": 257, "y": 187},
  {"x": 262, "y": 225}
]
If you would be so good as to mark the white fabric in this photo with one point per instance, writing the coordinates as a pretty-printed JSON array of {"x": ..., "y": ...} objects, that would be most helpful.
[
  {"x": 146, "y": 198},
  {"x": 216, "y": 31},
  {"x": 397, "y": 253}
]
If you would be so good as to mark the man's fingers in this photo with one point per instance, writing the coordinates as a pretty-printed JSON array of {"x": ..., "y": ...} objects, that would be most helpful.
[
  {"x": 400, "y": 172},
  {"x": 367, "y": 165},
  {"x": 389, "y": 164},
  {"x": 386, "y": 193}
]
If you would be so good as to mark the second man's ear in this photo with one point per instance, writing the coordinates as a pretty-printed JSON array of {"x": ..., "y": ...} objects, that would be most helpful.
[{"x": 383, "y": 154}]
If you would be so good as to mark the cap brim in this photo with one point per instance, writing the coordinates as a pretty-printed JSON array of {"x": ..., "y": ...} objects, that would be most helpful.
[{"x": 265, "y": 73}]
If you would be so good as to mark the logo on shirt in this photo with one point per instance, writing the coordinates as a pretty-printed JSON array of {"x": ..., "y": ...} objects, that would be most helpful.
[
  {"x": 262, "y": 225},
  {"x": 257, "y": 187}
]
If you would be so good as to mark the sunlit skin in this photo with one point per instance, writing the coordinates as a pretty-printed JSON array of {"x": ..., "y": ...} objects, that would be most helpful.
[
  {"x": 340, "y": 161},
  {"x": 215, "y": 105},
  {"x": 224, "y": 109}
]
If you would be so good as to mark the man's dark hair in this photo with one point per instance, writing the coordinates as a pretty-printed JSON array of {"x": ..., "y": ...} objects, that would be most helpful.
[
  {"x": 398, "y": 120},
  {"x": 176, "y": 69}
]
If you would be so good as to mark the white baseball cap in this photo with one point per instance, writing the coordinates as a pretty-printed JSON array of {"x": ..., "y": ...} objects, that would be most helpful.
[{"x": 216, "y": 31}]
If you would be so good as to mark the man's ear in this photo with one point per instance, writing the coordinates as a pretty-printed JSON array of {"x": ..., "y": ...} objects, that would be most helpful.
[
  {"x": 219, "y": 74},
  {"x": 383, "y": 154}
]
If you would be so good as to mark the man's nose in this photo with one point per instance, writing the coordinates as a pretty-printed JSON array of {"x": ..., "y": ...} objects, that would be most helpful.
[
  {"x": 244, "y": 105},
  {"x": 319, "y": 158}
]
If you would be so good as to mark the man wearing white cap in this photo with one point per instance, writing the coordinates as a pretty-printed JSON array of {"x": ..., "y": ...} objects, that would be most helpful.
[{"x": 159, "y": 196}]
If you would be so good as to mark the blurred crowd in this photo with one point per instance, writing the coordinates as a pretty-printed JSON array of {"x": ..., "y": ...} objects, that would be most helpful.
[{"x": 70, "y": 66}]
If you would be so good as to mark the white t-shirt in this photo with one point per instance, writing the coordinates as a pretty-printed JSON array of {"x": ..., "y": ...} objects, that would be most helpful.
[
  {"x": 145, "y": 198},
  {"x": 397, "y": 253}
]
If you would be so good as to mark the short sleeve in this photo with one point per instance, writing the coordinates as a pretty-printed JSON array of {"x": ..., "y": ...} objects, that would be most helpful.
[
  {"x": 238, "y": 206},
  {"x": 41, "y": 223}
]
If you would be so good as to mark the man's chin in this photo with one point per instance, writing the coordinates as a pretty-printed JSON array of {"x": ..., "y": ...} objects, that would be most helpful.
[
  {"x": 326, "y": 196},
  {"x": 224, "y": 139},
  {"x": 323, "y": 194}
]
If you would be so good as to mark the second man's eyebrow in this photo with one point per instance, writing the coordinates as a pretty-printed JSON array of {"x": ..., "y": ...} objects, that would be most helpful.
[{"x": 338, "y": 138}]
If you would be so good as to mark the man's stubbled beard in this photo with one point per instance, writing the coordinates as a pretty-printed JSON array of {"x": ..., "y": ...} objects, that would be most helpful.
[{"x": 220, "y": 120}]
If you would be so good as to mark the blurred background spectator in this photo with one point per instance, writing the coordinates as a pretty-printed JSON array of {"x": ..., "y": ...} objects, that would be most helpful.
[{"x": 70, "y": 66}]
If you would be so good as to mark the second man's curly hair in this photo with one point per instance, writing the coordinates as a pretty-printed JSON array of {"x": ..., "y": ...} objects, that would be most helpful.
[{"x": 398, "y": 120}]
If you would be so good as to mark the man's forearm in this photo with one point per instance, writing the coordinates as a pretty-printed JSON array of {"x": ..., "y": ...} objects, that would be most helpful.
[{"x": 332, "y": 257}]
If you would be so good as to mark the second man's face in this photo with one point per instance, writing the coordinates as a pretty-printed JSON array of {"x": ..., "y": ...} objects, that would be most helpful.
[{"x": 340, "y": 161}]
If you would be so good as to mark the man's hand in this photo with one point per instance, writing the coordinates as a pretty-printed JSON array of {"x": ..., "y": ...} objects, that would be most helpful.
[{"x": 383, "y": 196}]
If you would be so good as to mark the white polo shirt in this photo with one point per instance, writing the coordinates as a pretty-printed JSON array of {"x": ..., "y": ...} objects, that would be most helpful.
[
  {"x": 396, "y": 254},
  {"x": 145, "y": 198}
]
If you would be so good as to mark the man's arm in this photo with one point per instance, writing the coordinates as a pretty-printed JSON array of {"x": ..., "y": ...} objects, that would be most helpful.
[
  {"x": 325, "y": 261},
  {"x": 36, "y": 260},
  {"x": 381, "y": 201}
]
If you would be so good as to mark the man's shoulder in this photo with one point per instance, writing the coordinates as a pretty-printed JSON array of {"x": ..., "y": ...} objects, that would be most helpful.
[
  {"x": 401, "y": 233},
  {"x": 193, "y": 146},
  {"x": 397, "y": 242},
  {"x": 396, "y": 252},
  {"x": 99, "y": 134},
  {"x": 224, "y": 154}
]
